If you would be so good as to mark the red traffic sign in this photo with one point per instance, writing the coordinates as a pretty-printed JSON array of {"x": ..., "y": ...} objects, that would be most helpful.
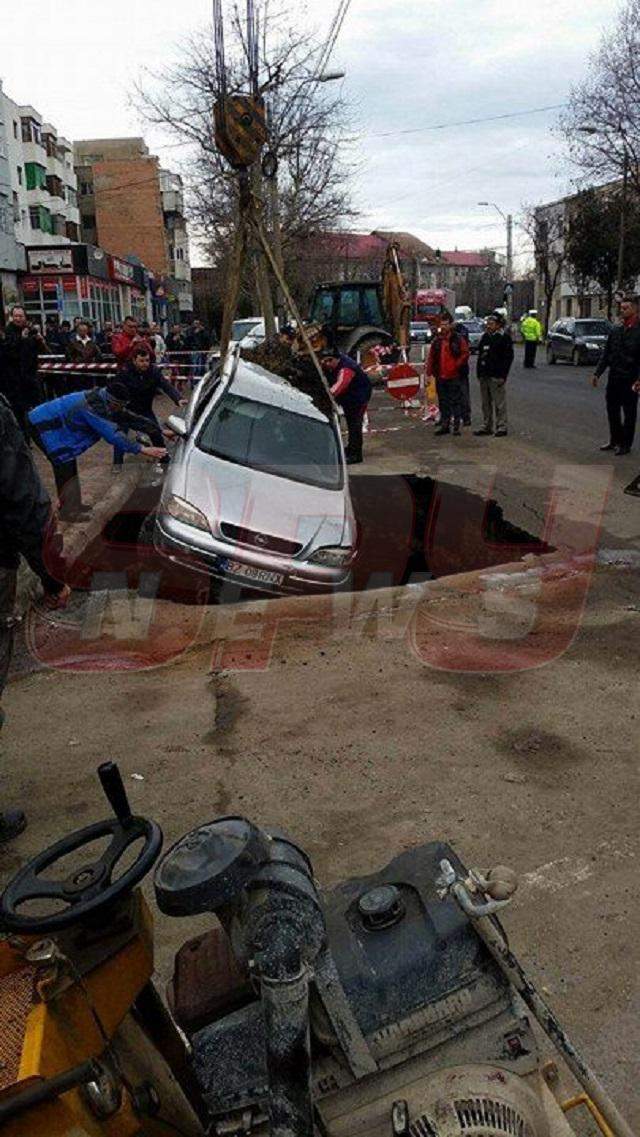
[{"x": 403, "y": 381}]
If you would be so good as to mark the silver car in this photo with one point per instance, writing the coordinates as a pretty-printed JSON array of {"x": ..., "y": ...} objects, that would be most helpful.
[{"x": 257, "y": 491}]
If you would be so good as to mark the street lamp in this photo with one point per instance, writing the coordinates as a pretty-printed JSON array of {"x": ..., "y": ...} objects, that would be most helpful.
[
  {"x": 506, "y": 217},
  {"x": 623, "y": 203}
]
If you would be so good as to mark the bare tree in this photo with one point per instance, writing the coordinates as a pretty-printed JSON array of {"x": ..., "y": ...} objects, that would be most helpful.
[
  {"x": 601, "y": 126},
  {"x": 308, "y": 127},
  {"x": 546, "y": 226}
]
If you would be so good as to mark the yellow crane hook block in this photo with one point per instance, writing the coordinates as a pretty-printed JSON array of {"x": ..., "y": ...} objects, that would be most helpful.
[{"x": 240, "y": 128}]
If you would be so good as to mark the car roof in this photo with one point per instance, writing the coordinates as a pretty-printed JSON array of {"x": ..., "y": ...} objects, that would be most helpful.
[{"x": 250, "y": 381}]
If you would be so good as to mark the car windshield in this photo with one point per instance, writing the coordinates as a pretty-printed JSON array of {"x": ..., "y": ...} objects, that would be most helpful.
[
  {"x": 592, "y": 328},
  {"x": 428, "y": 309},
  {"x": 241, "y": 328},
  {"x": 474, "y": 325},
  {"x": 278, "y": 441}
]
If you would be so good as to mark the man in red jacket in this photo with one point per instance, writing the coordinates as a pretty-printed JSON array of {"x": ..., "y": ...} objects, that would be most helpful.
[
  {"x": 448, "y": 357},
  {"x": 124, "y": 342}
]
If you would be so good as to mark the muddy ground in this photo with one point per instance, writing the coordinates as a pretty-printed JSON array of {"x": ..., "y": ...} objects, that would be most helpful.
[{"x": 361, "y": 742}]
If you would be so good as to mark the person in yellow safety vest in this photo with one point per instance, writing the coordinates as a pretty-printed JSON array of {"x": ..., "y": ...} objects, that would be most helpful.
[{"x": 531, "y": 329}]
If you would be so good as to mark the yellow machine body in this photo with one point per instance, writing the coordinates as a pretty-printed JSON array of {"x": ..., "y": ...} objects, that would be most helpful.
[{"x": 53, "y": 1020}]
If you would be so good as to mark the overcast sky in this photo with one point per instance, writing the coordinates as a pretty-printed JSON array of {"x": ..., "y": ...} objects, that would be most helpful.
[{"x": 409, "y": 65}]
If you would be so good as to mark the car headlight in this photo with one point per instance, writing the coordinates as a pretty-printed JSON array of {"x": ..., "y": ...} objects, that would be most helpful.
[
  {"x": 183, "y": 511},
  {"x": 593, "y": 346},
  {"x": 333, "y": 556}
]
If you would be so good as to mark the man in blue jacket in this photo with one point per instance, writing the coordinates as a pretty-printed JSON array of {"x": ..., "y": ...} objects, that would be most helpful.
[{"x": 64, "y": 428}]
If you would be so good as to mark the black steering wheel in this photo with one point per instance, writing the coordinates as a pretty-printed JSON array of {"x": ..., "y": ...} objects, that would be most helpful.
[{"x": 88, "y": 889}]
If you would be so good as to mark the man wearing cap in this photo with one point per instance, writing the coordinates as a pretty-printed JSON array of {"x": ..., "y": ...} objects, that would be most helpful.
[
  {"x": 531, "y": 329},
  {"x": 64, "y": 428}
]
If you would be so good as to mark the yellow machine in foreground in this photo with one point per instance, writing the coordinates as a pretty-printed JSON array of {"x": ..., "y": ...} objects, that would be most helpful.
[{"x": 390, "y": 1006}]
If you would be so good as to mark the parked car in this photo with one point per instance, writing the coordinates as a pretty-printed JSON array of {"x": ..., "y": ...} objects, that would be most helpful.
[
  {"x": 257, "y": 490},
  {"x": 248, "y": 332},
  {"x": 577, "y": 340},
  {"x": 475, "y": 330},
  {"x": 420, "y": 332}
]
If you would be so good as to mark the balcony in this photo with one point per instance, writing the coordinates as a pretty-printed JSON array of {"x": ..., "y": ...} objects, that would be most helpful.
[{"x": 173, "y": 202}]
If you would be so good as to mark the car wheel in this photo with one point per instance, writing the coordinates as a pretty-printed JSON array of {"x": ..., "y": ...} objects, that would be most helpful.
[{"x": 550, "y": 356}]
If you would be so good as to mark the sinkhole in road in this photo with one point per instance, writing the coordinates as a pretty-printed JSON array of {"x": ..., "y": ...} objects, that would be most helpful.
[{"x": 410, "y": 529}]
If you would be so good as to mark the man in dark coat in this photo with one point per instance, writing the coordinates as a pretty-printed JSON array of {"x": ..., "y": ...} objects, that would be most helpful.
[
  {"x": 621, "y": 356},
  {"x": 143, "y": 381},
  {"x": 19, "y": 382},
  {"x": 27, "y": 529},
  {"x": 495, "y": 356}
]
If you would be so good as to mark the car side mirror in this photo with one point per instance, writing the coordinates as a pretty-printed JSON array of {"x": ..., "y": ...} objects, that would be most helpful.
[{"x": 178, "y": 426}]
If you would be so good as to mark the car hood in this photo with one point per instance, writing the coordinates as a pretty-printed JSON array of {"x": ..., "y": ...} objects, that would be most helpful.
[{"x": 265, "y": 503}]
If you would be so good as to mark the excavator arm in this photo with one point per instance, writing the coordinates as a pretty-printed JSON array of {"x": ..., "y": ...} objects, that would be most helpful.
[{"x": 396, "y": 299}]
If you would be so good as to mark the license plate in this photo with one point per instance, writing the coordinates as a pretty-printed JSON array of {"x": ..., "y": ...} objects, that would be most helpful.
[{"x": 263, "y": 576}]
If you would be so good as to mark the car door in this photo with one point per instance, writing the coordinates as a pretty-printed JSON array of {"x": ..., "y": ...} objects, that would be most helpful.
[
  {"x": 553, "y": 338},
  {"x": 568, "y": 330},
  {"x": 561, "y": 340}
]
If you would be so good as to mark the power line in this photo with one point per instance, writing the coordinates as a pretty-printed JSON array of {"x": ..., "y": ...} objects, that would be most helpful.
[
  {"x": 334, "y": 32},
  {"x": 468, "y": 122}
]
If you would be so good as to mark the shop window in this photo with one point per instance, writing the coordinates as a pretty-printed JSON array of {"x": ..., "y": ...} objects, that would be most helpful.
[{"x": 36, "y": 176}]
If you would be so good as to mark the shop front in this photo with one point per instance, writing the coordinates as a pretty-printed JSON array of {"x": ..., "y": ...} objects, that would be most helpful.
[
  {"x": 68, "y": 281},
  {"x": 133, "y": 281}
]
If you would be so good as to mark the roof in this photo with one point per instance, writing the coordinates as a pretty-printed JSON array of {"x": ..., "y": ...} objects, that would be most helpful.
[
  {"x": 354, "y": 246},
  {"x": 410, "y": 245},
  {"x": 463, "y": 259},
  {"x": 251, "y": 381}
]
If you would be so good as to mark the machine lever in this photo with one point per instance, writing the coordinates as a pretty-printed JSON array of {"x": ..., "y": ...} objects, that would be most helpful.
[{"x": 113, "y": 787}]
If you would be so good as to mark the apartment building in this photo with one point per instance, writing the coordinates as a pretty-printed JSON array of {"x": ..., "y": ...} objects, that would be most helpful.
[
  {"x": 132, "y": 207},
  {"x": 38, "y": 190}
]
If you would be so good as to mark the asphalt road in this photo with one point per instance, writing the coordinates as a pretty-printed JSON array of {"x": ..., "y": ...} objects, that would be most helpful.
[
  {"x": 557, "y": 423},
  {"x": 558, "y": 408}
]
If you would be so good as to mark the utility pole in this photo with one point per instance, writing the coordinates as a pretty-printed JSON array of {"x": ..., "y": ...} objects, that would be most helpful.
[
  {"x": 623, "y": 222},
  {"x": 509, "y": 248}
]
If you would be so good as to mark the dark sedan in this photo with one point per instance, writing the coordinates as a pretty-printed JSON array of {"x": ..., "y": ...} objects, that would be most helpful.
[
  {"x": 474, "y": 330},
  {"x": 577, "y": 341}
]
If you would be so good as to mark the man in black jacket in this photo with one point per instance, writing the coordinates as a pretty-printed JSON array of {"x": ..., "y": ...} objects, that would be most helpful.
[
  {"x": 144, "y": 381},
  {"x": 19, "y": 382},
  {"x": 25, "y": 528},
  {"x": 495, "y": 356},
  {"x": 622, "y": 356}
]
